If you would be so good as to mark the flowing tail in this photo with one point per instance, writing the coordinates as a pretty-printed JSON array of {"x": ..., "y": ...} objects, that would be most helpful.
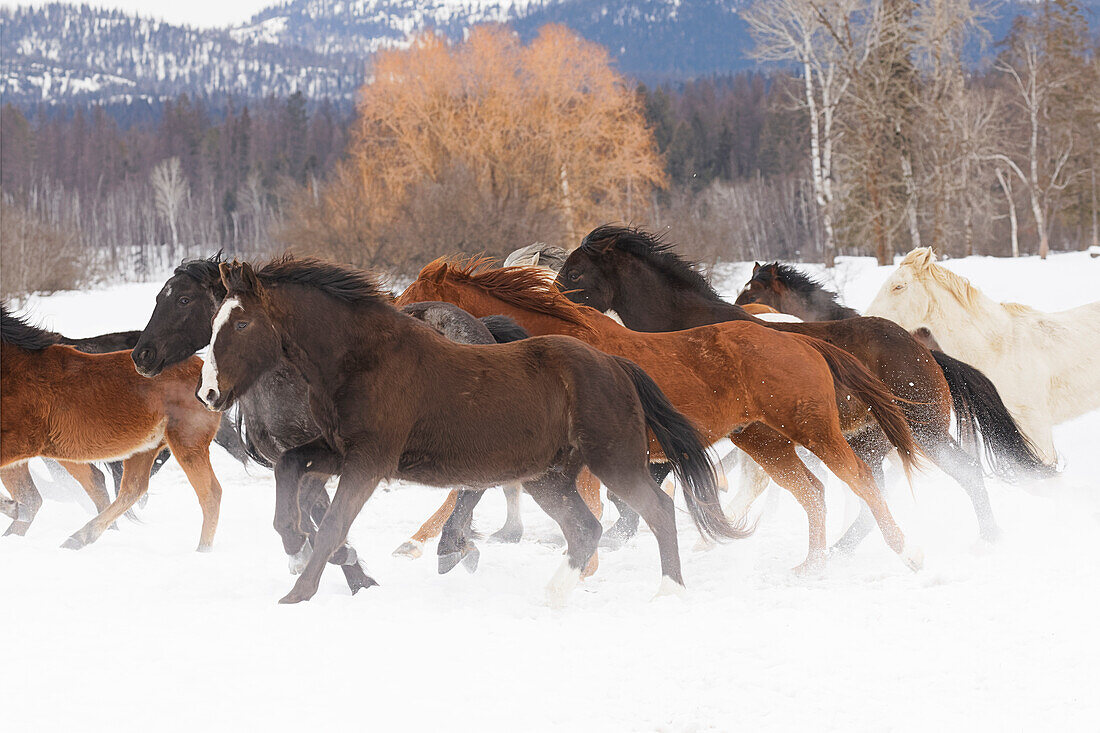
[
  {"x": 684, "y": 449},
  {"x": 850, "y": 374},
  {"x": 980, "y": 410}
]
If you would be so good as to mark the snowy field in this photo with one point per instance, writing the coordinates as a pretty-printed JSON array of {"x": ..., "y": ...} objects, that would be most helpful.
[{"x": 139, "y": 632}]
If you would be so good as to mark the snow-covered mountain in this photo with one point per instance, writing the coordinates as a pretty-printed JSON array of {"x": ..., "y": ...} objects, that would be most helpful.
[
  {"x": 63, "y": 52},
  {"x": 66, "y": 53}
]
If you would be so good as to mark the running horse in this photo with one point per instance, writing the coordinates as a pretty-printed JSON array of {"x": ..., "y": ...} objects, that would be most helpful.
[
  {"x": 274, "y": 416},
  {"x": 60, "y": 403},
  {"x": 1045, "y": 365},
  {"x": 653, "y": 289},
  {"x": 979, "y": 409},
  {"x": 764, "y": 389},
  {"x": 395, "y": 399}
]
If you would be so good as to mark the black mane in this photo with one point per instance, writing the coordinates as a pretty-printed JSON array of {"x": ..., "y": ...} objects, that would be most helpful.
[
  {"x": 342, "y": 282},
  {"x": 16, "y": 331},
  {"x": 202, "y": 270},
  {"x": 794, "y": 279},
  {"x": 651, "y": 249}
]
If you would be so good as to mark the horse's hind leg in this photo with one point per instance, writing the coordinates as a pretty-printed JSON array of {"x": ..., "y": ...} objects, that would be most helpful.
[
  {"x": 627, "y": 524},
  {"x": 92, "y": 481},
  {"x": 512, "y": 531},
  {"x": 776, "y": 455},
  {"x": 644, "y": 494},
  {"x": 838, "y": 456},
  {"x": 135, "y": 482},
  {"x": 556, "y": 493},
  {"x": 454, "y": 541},
  {"x": 946, "y": 453},
  {"x": 290, "y": 470},
  {"x": 871, "y": 447},
  {"x": 414, "y": 546},
  {"x": 26, "y": 501}
]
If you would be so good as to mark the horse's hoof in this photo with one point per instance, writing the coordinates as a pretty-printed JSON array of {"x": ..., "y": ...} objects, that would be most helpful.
[
  {"x": 204, "y": 547},
  {"x": 470, "y": 559},
  {"x": 73, "y": 543},
  {"x": 992, "y": 535},
  {"x": 507, "y": 535},
  {"x": 357, "y": 578},
  {"x": 562, "y": 584},
  {"x": 913, "y": 557},
  {"x": 294, "y": 597},
  {"x": 448, "y": 561},
  {"x": 411, "y": 550},
  {"x": 670, "y": 587},
  {"x": 17, "y": 528},
  {"x": 298, "y": 561},
  {"x": 812, "y": 567}
]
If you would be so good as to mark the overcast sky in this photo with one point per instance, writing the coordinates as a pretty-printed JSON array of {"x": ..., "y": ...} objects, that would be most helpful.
[{"x": 202, "y": 13}]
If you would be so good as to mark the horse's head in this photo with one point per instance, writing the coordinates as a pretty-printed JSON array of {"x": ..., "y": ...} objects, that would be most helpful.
[
  {"x": 180, "y": 324},
  {"x": 764, "y": 287},
  {"x": 591, "y": 274},
  {"x": 905, "y": 297},
  {"x": 243, "y": 342}
]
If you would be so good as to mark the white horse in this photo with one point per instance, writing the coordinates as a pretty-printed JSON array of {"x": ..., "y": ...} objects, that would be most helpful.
[{"x": 1045, "y": 365}]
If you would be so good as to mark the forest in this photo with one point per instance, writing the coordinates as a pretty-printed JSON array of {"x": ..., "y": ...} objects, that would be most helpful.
[{"x": 864, "y": 132}]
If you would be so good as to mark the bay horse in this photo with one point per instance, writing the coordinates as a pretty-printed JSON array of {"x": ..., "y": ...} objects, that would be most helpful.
[
  {"x": 395, "y": 399},
  {"x": 274, "y": 416},
  {"x": 60, "y": 403},
  {"x": 652, "y": 288},
  {"x": 1046, "y": 366},
  {"x": 764, "y": 389},
  {"x": 979, "y": 409}
]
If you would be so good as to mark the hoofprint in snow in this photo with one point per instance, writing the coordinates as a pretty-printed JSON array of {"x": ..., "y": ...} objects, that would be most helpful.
[{"x": 139, "y": 631}]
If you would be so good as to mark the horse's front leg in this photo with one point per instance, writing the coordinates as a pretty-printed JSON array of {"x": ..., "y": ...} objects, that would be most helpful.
[
  {"x": 357, "y": 482},
  {"x": 313, "y": 457}
]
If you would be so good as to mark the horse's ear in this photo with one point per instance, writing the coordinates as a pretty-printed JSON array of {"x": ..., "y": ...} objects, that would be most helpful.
[
  {"x": 238, "y": 277},
  {"x": 755, "y": 267},
  {"x": 439, "y": 274}
]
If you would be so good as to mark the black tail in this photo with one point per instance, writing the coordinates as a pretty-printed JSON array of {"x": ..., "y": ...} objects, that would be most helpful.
[
  {"x": 504, "y": 329},
  {"x": 684, "y": 449},
  {"x": 980, "y": 410}
]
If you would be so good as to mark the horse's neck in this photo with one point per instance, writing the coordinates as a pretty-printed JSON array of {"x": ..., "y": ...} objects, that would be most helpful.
[
  {"x": 983, "y": 328},
  {"x": 651, "y": 303}
]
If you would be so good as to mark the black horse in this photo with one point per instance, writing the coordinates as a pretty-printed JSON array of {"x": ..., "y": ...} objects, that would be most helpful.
[
  {"x": 272, "y": 418},
  {"x": 651, "y": 288}
]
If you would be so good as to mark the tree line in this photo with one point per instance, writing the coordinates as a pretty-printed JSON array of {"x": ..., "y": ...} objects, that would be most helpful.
[{"x": 873, "y": 135}]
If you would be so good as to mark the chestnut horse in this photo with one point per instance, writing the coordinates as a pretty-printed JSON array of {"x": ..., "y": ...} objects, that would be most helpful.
[
  {"x": 764, "y": 389},
  {"x": 653, "y": 289},
  {"x": 60, "y": 403},
  {"x": 395, "y": 399}
]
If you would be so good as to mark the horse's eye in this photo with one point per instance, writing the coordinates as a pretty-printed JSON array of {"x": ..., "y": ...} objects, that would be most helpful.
[
  {"x": 184, "y": 300},
  {"x": 241, "y": 325},
  {"x": 574, "y": 276},
  {"x": 899, "y": 286}
]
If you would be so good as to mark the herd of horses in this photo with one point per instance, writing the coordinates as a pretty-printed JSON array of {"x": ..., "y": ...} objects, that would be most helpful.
[{"x": 615, "y": 365}]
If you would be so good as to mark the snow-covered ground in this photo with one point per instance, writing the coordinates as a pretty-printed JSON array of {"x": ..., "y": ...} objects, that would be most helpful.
[{"x": 139, "y": 632}]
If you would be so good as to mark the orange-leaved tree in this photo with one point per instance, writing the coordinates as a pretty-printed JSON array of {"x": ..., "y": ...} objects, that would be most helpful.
[{"x": 484, "y": 145}]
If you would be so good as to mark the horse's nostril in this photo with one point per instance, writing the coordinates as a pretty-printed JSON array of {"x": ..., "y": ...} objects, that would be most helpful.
[{"x": 211, "y": 395}]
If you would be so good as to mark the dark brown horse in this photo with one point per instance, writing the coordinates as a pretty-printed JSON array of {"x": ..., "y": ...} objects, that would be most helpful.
[
  {"x": 653, "y": 289},
  {"x": 60, "y": 403},
  {"x": 766, "y": 390},
  {"x": 395, "y": 399}
]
